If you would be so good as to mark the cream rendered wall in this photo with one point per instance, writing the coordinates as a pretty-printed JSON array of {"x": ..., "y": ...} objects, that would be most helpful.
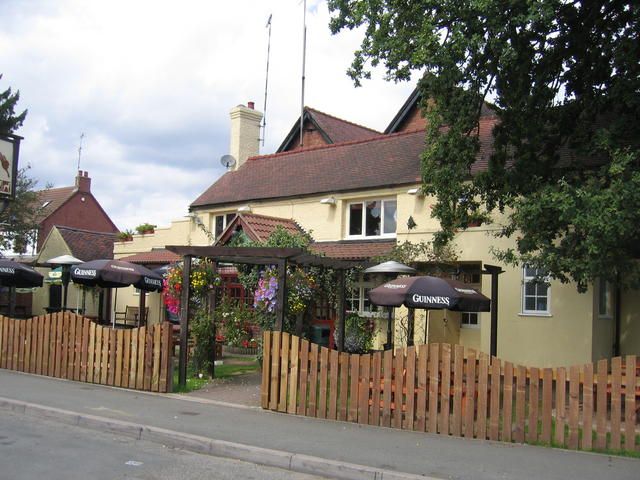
[
  {"x": 181, "y": 232},
  {"x": 562, "y": 338},
  {"x": 565, "y": 337}
]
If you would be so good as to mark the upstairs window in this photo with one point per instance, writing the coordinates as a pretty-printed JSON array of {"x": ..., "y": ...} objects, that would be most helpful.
[
  {"x": 220, "y": 222},
  {"x": 372, "y": 218},
  {"x": 605, "y": 302},
  {"x": 535, "y": 292}
]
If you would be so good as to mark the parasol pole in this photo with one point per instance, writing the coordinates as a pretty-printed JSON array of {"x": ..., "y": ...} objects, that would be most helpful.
[
  {"x": 389, "y": 344},
  {"x": 113, "y": 310}
]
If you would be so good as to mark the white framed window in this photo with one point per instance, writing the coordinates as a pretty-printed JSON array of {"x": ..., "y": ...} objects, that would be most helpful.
[
  {"x": 372, "y": 218},
  {"x": 220, "y": 223},
  {"x": 536, "y": 293},
  {"x": 470, "y": 320},
  {"x": 605, "y": 299},
  {"x": 357, "y": 300}
]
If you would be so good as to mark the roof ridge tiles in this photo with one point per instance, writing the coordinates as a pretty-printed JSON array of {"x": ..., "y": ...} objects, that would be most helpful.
[
  {"x": 83, "y": 230},
  {"x": 343, "y": 120},
  {"x": 380, "y": 137}
]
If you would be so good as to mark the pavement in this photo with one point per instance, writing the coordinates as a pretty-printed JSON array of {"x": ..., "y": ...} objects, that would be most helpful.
[{"x": 306, "y": 445}]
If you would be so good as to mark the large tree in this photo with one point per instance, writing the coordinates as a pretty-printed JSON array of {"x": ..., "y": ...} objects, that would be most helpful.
[
  {"x": 564, "y": 78},
  {"x": 9, "y": 120},
  {"x": 19, "y": 217}
]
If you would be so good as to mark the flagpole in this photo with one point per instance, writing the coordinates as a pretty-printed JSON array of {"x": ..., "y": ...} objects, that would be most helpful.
[{"x": 304, "y": 55}]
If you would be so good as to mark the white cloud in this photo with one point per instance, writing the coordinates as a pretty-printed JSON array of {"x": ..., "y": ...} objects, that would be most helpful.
[{"x": 151, "y": 83}]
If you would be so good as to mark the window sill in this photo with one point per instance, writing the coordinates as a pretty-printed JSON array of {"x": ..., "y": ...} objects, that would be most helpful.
[
  {"x": 470, "y": 327},
  {"x": 533, "y": 314}
]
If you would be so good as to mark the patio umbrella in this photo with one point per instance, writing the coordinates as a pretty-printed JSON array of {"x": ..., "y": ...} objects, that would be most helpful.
[
  {"x": 116, "y": 274},
  {"x": 15, "y": 274},
  {"x": 430, "y": 293}
]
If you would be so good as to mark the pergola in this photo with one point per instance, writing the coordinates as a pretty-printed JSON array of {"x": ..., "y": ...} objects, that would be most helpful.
[{"x": 281, "y": 257}]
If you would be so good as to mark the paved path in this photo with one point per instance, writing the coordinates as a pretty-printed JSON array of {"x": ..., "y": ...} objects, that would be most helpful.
[{"x": 378, "y": 448}]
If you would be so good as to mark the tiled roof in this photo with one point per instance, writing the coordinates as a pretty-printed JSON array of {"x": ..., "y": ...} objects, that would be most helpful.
[
  {"x": 52, "y": 199},
  {"x": 259, "y": 227},
  {"x": 160, "y": 257},
  {"x": 339, "y": 130},
  {"x": 384, "y": 161},
  {"x": 88, "y": 245},
  {"x": 352, "y": 250}
]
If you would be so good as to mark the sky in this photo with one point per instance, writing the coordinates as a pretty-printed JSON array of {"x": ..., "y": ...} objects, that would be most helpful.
[{"x": 150, "y": 85}]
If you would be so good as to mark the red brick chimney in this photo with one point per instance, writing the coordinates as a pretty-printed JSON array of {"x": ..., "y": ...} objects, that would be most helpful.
[{"x": 83, "y": 182}]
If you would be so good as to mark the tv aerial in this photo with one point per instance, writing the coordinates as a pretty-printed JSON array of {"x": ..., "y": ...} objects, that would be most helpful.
[{"x": 227, "y": 161}]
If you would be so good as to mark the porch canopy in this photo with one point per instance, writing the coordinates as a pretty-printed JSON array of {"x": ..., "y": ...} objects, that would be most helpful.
[{"x": 281, "y": 257}]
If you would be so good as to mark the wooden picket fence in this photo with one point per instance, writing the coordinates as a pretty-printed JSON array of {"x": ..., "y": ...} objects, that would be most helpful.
[
  {"x": 73, "y": 347},
  {"x": 452, "y": 390}
]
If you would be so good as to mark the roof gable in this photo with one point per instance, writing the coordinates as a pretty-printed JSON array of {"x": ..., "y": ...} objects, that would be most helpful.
[
  {"x": 51, "y": 199},
  {"x": 258, "y": 227},
  {"x": 331, "y": 129}
]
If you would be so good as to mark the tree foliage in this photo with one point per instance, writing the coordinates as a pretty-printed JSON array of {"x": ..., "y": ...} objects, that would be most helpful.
[
  {"x": 9, "y": 121},
  {"x": 565, "y": 80},
  {"x": 19, "y": 220}
]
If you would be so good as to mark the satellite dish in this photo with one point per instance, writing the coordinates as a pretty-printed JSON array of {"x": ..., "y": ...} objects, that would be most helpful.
[{"x": 227, "y": 161}]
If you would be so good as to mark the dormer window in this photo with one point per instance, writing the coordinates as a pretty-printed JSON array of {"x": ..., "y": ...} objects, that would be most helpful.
[{"x": 372, "y": 218}]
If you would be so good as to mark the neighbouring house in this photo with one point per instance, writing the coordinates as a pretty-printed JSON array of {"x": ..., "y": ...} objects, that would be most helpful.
[
  {"x": 356, "y": 191},
  {"x": 74, "y": 207},
  {"x": 85, "y": 245}
]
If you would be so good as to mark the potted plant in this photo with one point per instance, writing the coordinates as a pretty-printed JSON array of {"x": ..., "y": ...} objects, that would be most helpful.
[
  {"x": 145, "y": 228},
  {"x": 125, "y": 236}
]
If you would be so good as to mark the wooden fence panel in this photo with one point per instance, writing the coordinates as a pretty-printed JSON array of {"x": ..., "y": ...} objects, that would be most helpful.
[
  {"x": 521, "y": 380},
  {"x": 630, "y": 404},
  {"x": 293, "y": 378},
  {"x": 561, "y": 411},
  {"x": 534, "y": 400},
  {"x": 334, "y": 357},
  {"x": 4, "y": 325},
  {"x": 434, "y": 387},
  {"x": 344, "y": 386},
  {"x": 364, "y": 389},
  {"x": 411, "y": 388},
  {"x": 587, "y": 408},
  {"x": 494, "y": 407},
  {"x": 507, "y": 422},
  {"x": 376, "y": 384},
  {"x": 483, "y": 391},
  {"x": 470, "y": 394},
  {"x": 28, "y": 362},
  {"x": 304, "y": 377},
  {"x": 422, "y": 386},
  {"x": 266, "y": 364},
  {"x": 601, "y": 406},
  {"x": 157, "y": 343},
  {"x": 386, "y": 393},
  {"x": 547, "y": 404},
  {"x": 354, "y": 374},
  {"x": 445, "y": 397},
  {"x": 324, "y": 367},
  {"x": 398, "y": 388},
  {"x": 616, "y": 402},
  {"x": 458, "y": 365},
  {"x": 66, "y": 345},
  {"x": 284, "y": 371},
  {"x": 313, "y": 380},
  {"x": 574, "y": 406},
  {"x": 275, "y": 371}
]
